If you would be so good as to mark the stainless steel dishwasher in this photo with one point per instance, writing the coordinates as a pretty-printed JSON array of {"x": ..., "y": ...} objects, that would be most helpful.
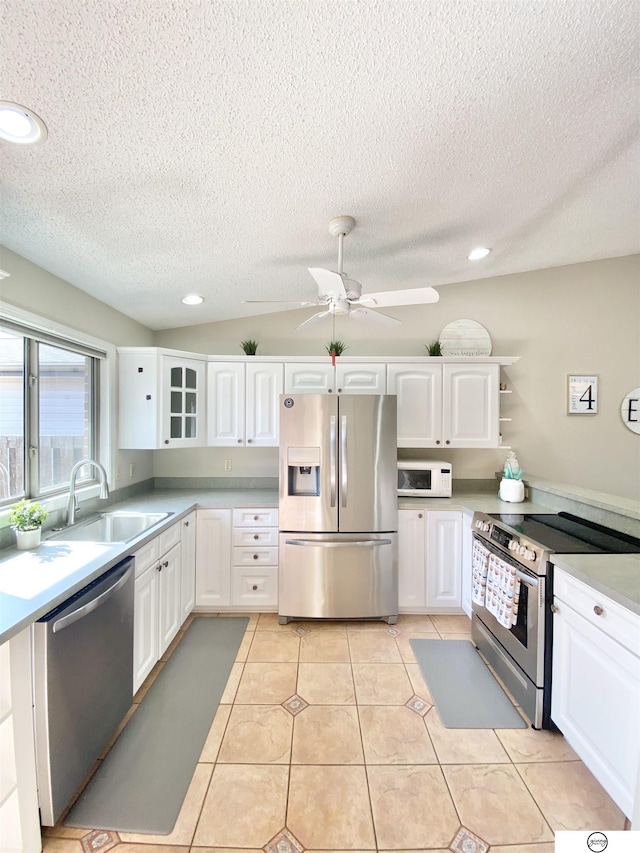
[{"x": 83, "y": 683}]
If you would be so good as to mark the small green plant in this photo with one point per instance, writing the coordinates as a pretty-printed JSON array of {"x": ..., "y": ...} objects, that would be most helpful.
[
  {"x": 26, "y": 516},
  {"x": 250, "y": 347},
  {"x": 337, "y": 347},
  {"x": 434, "y": 348}
]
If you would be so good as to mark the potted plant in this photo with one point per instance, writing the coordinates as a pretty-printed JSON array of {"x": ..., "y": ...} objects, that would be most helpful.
[
  {"x": 250, "y": 347},
  {"x": 434, "y": 348},
  {"x": 336, "y": 347},
  {"x": 27, "y": 520}
]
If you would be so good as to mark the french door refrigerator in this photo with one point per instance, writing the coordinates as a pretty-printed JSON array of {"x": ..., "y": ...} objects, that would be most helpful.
[{"x": 338, "y": 514}]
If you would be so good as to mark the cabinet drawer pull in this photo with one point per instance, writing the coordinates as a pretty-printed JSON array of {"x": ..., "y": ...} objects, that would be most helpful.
[
  {"x": 159, "y": 568},
  {"x": 254, "y": 587},
  {"x": 256, "y": 517},
  {"x": 186, "y": 524},
  {"x": 419, "y": 515},
  {"x": 598, "y": 610},
  {"x": 255, "y": 556},
  {"x": 256, "y": 535},
  {"x": 555, "y": 608},
  {"x": 437, "y": 441},
  {"x": 166, "y": 441}
]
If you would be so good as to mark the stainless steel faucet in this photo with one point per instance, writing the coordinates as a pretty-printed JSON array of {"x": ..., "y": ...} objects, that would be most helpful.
[{"x": 72, "y": 504}]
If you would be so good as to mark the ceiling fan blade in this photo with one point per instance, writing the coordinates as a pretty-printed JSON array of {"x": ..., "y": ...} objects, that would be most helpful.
[
  {"x": 415, "y": 296},
  {"x": 376, "y": 318},
  {"x": 279, "y": 302},
  {"x": 329, "y": 283},
  {"x": 313, "y": 320}
]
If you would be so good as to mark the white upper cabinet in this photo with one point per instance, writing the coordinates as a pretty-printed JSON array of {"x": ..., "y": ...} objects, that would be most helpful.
[
  {"x": 243, "y": 403},
  {"x": 446, "y": 404},
  {"x": 161, "y": 397},
  {"x": 345, "y": 378}
]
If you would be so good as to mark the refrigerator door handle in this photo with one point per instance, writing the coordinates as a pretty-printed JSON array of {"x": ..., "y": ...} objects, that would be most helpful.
[
  {"x": 362, "y": 543},
  {"x": 332, "y": 460},
  {"x": 343, "y": 459}
]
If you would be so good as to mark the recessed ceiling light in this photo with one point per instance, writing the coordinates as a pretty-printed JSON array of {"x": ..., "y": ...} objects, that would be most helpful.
[
  {"x": 478, "y": 254},
  {"x": 192, "y": 299},
  {"x": 20, "y": 125}
]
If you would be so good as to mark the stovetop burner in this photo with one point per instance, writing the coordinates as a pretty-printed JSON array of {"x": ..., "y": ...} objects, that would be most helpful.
[{"x": 564, "y": 533}]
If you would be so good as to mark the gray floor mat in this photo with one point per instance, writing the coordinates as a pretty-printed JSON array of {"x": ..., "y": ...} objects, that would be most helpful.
[
  {"x": 465, "y": 692},
  {"x": 142, "y": 782}
]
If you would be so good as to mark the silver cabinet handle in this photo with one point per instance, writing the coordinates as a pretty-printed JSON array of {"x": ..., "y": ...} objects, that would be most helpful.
[
  {"x": 361, "y": 543},
  {"x": 332, "y": 460},
  {"x": 90, "y": 606},
  {"x": 343, "y": 458}
]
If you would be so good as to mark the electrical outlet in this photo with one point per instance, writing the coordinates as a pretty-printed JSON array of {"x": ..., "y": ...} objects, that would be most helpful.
[
  {"x": 227, "y": 465},
  {"x": 132, "y": 468},
  {"x": 118, "y": 473}
]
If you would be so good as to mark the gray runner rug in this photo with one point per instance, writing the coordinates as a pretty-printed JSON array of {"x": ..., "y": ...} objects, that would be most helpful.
[
  {"x": 463, "y": 688},
  {"x": 142, "y": 782}
]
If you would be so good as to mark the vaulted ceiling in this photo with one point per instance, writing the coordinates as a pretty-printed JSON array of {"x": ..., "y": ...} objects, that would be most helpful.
[{"x": 204, "y": 146}]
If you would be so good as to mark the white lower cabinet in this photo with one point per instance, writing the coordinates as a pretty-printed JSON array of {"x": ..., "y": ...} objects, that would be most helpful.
[
  {"x": 429, "y": 561},
  {"x": 237, "y": 559},
  {"x": 158, "y": 604},
  {"x": 188, "y": 587},
  {"x": 595, "y": 694}
]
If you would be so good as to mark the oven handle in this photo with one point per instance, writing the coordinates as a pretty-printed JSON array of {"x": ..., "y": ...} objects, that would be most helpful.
[{"x": 525, "y": 577}]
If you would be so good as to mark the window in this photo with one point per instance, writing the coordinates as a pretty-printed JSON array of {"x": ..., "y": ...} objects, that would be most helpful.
[{"x": 48, "y": 413}]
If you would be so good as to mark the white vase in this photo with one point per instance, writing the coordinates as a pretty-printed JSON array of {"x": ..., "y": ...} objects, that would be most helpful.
[
  {"x": 28, "y": 539},
  {"x": 511, "y": 490}
]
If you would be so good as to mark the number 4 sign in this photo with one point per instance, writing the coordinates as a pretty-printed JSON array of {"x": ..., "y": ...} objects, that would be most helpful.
[{"x": 582, "y": 395}]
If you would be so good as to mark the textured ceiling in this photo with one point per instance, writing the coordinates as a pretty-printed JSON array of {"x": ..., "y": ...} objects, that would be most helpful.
[{"x": 203, "y": 146}]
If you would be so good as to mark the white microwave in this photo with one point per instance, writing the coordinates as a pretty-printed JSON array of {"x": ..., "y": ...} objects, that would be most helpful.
[{"x": 424, "y": 478}]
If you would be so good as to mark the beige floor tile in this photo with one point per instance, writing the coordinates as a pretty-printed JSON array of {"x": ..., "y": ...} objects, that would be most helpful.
[
  {"x": 270, "y": 646},
  {"x": 377, "y": 626},
  {"x": 464, "y": 746},
  {"x": 381, "y": 684},
  {"x": 224, "y": 850},
  {"x": 329, "y": 807},
  {"x": 326, "y": 683},
  {"x": 570, "y": 797},
  {"x": 187, "y": 819},
  {"x": 394, "y": 734},
  {"x": 252, "y": 617},
  {"x": 445, "y": 636},
  {"x": 327, "y": 734},
  {"x": 151, "y": 848},
  {"x": 545, "y": 847},
  {"x": 269, "y": 622},
  {"x": 403, "y": 642},
  {"x": 257, "y": 734},
  {"x": 62, "y": 845},
  {"x": 417, "y": 682},
  {"x": 216, "y": 733},
  {"x": 60, "y": 831},
  {"x": 493, "y": 802},
  {"x": 349, "y": 851},
  {"x": 266, "y": 683},
  {"x": 245, "y": 645},
  {"x": 412, "y": 807},
  {"x": 527, "y": 745},
  {"x": 325, "y": 647},
  {"x": 373, "y": 647},
  {"x": 231, "y": 687},
  {"x": 245, "y": 806},
  {"x": 451, "y": 624},
  {"x": 414, "y": 623},
  {"x": 321, "y": 625}
]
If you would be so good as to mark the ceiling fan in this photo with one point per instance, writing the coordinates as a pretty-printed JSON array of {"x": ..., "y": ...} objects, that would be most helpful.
[{"x": 339, "y": 294}]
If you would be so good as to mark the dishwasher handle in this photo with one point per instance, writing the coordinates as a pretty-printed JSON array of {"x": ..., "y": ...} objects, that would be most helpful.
[{"x": 90, "y": 606}]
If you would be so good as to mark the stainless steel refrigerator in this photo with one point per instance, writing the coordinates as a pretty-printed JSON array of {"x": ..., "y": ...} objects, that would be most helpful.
[{"x": 338, "y": 513}]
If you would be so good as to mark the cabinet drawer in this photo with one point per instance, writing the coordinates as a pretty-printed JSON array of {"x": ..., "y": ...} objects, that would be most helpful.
[
  {"x": 170, "y": 537},
  {"x": 255, "y": 556},
  {"x": 599, "y": 610},
  {"x": 255, "y": 517},
  {"x": 254, "y": 589},
  {"x": 146, "y": 556},
  {"x": 252, "y": 537}
]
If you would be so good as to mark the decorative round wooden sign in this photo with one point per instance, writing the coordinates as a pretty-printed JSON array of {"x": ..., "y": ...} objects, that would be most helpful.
[{"x": 465, "y": 337}]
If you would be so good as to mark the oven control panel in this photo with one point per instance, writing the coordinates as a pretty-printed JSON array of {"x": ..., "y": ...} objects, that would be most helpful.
[{"x": 521, "y": 549}]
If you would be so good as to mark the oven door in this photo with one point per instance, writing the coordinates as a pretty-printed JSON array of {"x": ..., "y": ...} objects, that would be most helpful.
[{"x": 525, "y": 639}]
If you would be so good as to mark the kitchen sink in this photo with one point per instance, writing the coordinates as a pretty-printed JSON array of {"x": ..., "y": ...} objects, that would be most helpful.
[{"x": 110, "y": 527}]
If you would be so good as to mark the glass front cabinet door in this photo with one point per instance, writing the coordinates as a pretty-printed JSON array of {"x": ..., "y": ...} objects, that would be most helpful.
[{"x": 183, "y": 408}]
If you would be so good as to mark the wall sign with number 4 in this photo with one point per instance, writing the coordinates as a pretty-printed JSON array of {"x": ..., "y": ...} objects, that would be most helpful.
[{"x": 582, "y": 395}]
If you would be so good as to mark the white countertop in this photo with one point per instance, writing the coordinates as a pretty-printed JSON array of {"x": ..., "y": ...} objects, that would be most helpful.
[{"x": 34, "y": 582}]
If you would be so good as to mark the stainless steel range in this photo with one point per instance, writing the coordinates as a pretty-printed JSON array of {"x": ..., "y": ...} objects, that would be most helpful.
[{"x": 513, "y": 594}]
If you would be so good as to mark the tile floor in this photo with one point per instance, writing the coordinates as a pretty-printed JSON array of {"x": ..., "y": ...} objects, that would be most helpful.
[{"x": 326, "y": 740}]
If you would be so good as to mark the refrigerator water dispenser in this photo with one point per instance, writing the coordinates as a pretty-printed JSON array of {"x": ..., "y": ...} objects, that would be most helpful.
[{"x": 303, "y": 471}]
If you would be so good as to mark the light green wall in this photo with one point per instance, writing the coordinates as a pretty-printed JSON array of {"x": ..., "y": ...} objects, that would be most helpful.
[{"x": 583, "y": 318}]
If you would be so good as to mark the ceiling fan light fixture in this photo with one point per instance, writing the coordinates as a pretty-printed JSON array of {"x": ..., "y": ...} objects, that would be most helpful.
[
  {"x": 192, "y": 299},
  {"x": 20, "y": 125},
  {"x": 478, "y": 253}
]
